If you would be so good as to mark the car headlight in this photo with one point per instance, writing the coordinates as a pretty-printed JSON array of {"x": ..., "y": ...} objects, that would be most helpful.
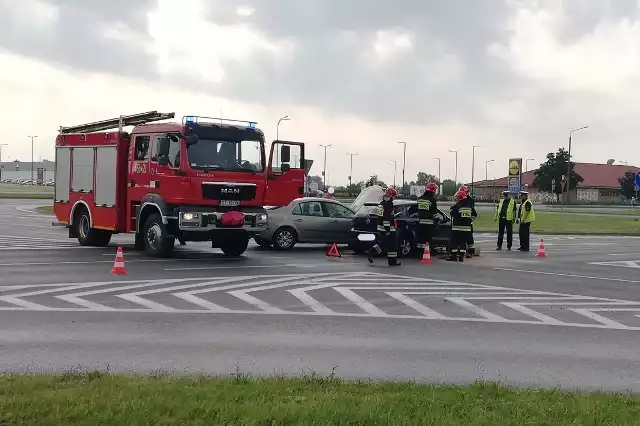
[
  {"x": 189, "y": 216},
  {"x": 262, "y": 217}
]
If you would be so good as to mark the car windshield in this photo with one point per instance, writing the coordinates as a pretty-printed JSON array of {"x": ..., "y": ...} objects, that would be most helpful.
[{"x": 209, "y": 154}]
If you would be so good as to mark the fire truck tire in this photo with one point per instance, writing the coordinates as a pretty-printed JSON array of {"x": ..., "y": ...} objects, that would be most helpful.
[
  {"x": 236, "y": 246},
  {"x": 86, "y": 235},
  {"x": 156, "y": 242}
]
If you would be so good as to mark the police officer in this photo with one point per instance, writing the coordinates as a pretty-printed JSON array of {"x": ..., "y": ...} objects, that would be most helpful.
[
  {"x": 505, "y": 215},
  {"x": 462, "y": 214},
  {"x": 386, "y": 230},
  {"x": 427, "y": 210},
  {"x": 526, "y": 215}
]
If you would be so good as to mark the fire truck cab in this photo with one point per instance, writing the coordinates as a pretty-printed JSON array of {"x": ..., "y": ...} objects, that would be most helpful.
[{"x": 204, "y": 179}]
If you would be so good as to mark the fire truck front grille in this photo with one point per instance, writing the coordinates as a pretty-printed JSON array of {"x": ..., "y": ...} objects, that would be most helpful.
[{"x": 223, "y": 191}]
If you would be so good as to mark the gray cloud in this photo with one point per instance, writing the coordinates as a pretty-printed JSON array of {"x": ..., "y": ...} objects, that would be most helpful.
[
  {"x": 77, "y": 40},
  {"x": 328, "y": 68}
]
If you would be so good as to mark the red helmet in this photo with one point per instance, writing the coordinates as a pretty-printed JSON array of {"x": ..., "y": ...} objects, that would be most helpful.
[
  {"x": 464, "y": 189},
  {"x": 391, "y": 192},
  {"x": 432, "y": 187},
  {"x": 460, "y": 196}
]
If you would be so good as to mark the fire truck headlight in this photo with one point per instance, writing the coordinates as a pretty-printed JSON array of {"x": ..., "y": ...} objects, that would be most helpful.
[
  {"x": 189, "y": 216},
  {"x": 262, "y": 217}
]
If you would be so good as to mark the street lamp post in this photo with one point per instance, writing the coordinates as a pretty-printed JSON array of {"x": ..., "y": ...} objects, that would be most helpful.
[
  {"x": 285, "y": 118},
  {"x": 404, "y": 163},
  {"x": 473, "y": 165},
  {"x": 351, "y": 169},
  {"x": 486, "y": 176},
  {"x": 32, "y": 138},
  {"x": 526, "y": 164},
  {"x": 456, "y": 152},
  {"x": 1, "y": 145},
  {"x": 439, "y": 178},
  {"x": 395, "y": 168},
  {"x": 569, "y": 164},
  {"x": 324, "y": 169}
]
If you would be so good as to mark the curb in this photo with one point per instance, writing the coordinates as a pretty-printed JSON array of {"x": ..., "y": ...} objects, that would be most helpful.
[{"x": 595, "y": 234}]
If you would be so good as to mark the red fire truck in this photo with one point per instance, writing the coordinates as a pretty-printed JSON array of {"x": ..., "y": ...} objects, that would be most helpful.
[{"x": 204, "y": 179}]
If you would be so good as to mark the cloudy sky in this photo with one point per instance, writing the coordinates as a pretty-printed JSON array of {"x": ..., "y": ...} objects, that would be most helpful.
[{"x": 513, "y": 76}]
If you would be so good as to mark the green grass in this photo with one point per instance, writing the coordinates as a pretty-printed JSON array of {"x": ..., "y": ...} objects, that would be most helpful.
[
  {"x": 30, "y": 192},
  {"x": 96, "y": 398},
  {"x": 552, "y": 222},
  {"x": 46, "y": 210}
]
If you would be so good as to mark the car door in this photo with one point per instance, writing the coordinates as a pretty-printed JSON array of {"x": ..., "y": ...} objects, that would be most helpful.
[
  {"x": 443, "y": 230},
  {"x": 310, "y": 222},
  {"x": 339, "y": 222}
]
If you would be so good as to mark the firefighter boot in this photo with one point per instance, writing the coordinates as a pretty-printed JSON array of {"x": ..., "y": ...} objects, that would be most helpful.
[{"x": 461, "y": 256}]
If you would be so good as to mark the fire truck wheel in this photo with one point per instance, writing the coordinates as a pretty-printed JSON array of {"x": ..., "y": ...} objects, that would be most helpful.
[
  {"x": 235, "y": 246},
  {"x": 155, "y": 239},
  {"x": 88, "y": 236}
]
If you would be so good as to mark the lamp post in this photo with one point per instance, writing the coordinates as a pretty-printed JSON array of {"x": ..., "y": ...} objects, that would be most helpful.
[
  {"x": 404, "y": 163},
  {"x": 395, "y": 168},
  {"x": 32, "y": 138},
  {"x": 486, "y": 176},
  {"x": 526, "y": 164},
  {"x": 1, "y": 145},
  {"x": 285, "y": 118},
  {"x": 456, "y": 152},
  {"x": 569, "y": 164},
  {"x": 439, "y": 178},
  {"x": 473, "y": 165},
  {"x": 324, "y": 169},
  {"x": 351, "y": 169}
]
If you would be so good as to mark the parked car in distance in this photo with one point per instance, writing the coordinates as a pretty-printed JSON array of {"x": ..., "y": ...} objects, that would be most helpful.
[{"x": 307, "y": 220}]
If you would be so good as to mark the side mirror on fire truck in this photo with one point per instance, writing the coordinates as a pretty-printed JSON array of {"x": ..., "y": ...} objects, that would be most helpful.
[
  {"x": 192, "y": 139},
  {"x": 285, "y": 153}
]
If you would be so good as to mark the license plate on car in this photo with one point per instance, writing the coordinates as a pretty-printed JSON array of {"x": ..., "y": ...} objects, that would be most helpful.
[{"x": 229, "y": 203}]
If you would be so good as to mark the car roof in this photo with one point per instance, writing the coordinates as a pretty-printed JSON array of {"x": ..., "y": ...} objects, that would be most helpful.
[{"x": 395, "y": 203}]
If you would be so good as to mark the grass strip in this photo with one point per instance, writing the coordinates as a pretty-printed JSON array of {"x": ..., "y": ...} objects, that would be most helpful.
[
  {"x": 26, "y": 195},
  {"x": 44, "y": 209},
  {"x": 551, "y": 222},
  {"x": 97, "y": 398}
]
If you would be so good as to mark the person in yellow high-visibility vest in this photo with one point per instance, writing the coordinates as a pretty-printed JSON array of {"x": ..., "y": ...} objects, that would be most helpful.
[
  {"x": 505, "y": 215},
  {"x": 526, "y": 215}
]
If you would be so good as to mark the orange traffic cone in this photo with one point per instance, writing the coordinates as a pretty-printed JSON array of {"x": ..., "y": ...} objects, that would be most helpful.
[
  {"x": 542, "y": 252},
  {"x": 426, "y": 256},
  {"x": 118, "y": 265}
]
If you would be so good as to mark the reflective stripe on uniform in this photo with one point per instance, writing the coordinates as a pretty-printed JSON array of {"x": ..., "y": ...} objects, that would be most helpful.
[
  {"x": 392, "y": 254},
  {"x": 426, "y": 222},
  {"x": 461, "y": 228},
  {"x": 424, "y": 204},
  {"x": 386, "y": 223}
]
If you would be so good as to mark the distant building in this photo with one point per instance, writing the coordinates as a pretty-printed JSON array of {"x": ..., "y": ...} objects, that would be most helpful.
[
  {"x": 22, "y": 170},
  {"x": 600, "y": 184}
]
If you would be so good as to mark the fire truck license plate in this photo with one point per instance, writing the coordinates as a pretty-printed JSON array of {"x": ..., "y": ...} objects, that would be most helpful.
[{"x": 229, "y": 203}]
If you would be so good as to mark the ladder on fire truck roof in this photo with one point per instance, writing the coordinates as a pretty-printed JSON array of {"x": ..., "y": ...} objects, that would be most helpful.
[{"x": 118, "y": 123}]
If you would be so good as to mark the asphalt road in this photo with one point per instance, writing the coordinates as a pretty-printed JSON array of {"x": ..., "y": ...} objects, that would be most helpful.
[{"x": 571, "y": 319}]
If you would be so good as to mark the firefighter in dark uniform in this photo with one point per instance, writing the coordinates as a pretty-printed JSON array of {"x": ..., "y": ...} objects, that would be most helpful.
[
  {"x": 427, "y": 211},
  {"x": 462, "y": 214},
  {"x": 471, "y": 248},
  {"x": 386, "y": 230}
]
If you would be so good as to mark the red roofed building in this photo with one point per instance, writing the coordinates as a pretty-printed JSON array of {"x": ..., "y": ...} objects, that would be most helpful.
[{"x": 600, "y": 183}]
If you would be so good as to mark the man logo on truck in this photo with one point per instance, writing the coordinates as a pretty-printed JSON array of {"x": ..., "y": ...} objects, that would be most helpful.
[{"x": 230, "y": 190}]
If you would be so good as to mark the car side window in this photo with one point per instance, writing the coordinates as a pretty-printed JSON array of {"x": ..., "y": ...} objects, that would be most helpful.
[
  {"x": 297, "y": 210},
  {"x": 309, "y": 208},
  {"x": 338, "y": 211}
]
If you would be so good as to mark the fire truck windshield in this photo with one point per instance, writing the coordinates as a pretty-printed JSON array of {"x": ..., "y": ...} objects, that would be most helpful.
[{"x": 241, "y": 156}]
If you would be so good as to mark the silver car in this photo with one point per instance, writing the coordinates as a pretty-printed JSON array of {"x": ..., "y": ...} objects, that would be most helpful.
[{"x": 307, "y": 220}]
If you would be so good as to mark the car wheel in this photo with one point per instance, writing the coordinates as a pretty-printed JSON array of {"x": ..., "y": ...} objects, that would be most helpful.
[
  {"x": 155, "y": 240},
  {"x": 284, "y": 239},
  {"x": 404, "y": 248}
]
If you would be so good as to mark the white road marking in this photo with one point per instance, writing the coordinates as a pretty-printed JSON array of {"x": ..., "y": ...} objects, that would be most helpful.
[
  {"x": 598, "y": 318},
  {"x": 619, "y": 263},
  {"x": 413, "y": 304},
  {"x": 530, "y": 312},
  {"x": 207, "y": 268},
  {"x": 477, "y": 309},
  {"x": 361, "y": 302},
  {"x": 567, "y": 275}
]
